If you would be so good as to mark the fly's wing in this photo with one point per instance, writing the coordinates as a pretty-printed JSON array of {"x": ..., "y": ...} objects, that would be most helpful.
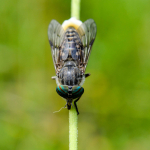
[
  {"x": 55, "y": 36},
  {"x": 87, "y": 34}
]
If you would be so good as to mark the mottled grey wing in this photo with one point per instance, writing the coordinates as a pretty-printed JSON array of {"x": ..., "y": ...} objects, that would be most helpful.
[
  {"x": 55, "y": 36},
  {"x": 87, "y": 32}
]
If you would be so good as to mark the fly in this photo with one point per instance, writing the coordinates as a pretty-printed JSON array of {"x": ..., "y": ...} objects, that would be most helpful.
[{"x": 71, "y": 45}]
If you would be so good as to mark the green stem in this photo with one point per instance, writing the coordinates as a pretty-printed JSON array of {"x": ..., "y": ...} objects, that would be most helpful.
[
  {"x": 75, "y": 9},
  {"x": 73, "y": 117},
  {"x": 73, "y": 129}
]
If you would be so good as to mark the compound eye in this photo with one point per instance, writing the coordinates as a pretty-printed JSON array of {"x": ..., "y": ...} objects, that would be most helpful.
[
  {"x": 77, "y": 91},
  {"x": 62, "y": 90}
]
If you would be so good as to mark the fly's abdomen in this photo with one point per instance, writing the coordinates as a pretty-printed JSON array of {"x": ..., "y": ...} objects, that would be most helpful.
[{"x": 71, "y": 46}]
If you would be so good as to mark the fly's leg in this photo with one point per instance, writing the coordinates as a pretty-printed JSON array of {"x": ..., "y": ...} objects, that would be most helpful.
[
  {"x": 87, "y": 75},
  {"x": 76, "y": 105},
  {"x": 65, "y": 105}
]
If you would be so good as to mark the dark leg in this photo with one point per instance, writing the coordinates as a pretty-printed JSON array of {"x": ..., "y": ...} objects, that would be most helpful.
[
  {"x": 76, "y": 105},
  {"x": 87, "y": 74}
]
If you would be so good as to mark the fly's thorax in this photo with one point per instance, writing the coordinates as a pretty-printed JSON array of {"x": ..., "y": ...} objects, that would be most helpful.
[
  {"x": 70, "y": 74},
  {"x": 70, "y": 63}
]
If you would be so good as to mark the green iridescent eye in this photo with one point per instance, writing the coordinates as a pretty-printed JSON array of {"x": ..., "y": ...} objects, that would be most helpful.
[
  {"x": 77, "y": 91},
  {"x": 62, "y": 90}
]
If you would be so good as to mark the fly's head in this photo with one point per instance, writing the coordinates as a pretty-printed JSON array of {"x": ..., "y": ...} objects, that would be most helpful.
[{"x": 70, "y": 93}]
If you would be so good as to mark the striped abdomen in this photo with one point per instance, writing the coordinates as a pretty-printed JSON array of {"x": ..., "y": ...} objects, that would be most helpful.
[{"x": 71, "y": 47}]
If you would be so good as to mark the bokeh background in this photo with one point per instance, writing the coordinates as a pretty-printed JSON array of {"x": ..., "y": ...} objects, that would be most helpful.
[{"x": 115, "y": 108}]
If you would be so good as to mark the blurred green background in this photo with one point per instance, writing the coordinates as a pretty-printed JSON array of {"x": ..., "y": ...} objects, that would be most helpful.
[{"x": 115, "y": 108}]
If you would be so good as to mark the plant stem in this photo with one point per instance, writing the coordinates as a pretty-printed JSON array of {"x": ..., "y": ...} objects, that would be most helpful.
[
  {"x": 73, "y": 129},
  {"x": 75, "y": 9},
  {"x": 73, "y": 117}
]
